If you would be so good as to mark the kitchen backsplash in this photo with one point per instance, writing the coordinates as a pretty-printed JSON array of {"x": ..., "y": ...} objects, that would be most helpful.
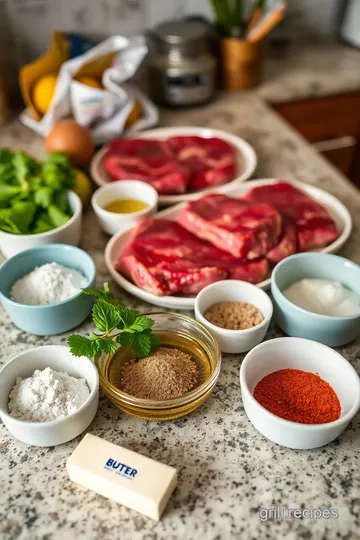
[{"x": 26, "y": 25}]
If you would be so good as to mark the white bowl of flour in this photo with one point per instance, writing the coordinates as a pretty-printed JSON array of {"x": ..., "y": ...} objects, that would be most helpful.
[{"x": 49, "y": 406}]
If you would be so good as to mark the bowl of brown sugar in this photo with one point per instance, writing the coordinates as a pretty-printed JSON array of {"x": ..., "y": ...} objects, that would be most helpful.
[
  {"x": 172, "y": 381},
  {"x": 236, "y": 312}
]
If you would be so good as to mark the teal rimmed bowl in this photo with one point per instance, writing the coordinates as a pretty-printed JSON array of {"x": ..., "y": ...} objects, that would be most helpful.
[
  {"x": 298, "y": 322},
  {"x": 47, "y": 319}
]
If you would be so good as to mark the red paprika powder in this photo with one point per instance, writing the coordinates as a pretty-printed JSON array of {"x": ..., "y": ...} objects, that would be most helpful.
[{"x": 298, "y": 396}]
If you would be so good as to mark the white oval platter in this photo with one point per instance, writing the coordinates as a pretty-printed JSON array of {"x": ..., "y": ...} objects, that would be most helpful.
[
  {"x": 246, "y": 165},
  {"x": 336, "y": 209}
]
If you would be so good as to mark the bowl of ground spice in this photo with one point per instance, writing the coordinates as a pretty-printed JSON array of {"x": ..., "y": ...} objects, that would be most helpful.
[
  {"x": 299, "y": 393},
  {"x": 170, "y": 382},
  {"x": 236, "y": 312}
]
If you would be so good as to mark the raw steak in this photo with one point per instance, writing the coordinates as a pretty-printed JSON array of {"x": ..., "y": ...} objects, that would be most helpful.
[
  {"x": 287, "y": 244},
  {"x": 150, "y": 161},
  {"x": 314, "y": 226},
  {"x": 163, "y": 258},
  {"x": 242, "y": 228},
  {"x": 212, "y": 161},
  {"x": 251, "y": 271}
]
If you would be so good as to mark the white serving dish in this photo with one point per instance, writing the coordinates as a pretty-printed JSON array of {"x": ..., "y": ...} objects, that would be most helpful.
[
  {"x": 247, "y": 159},
  {"x": 337, "y": 210},
  {"x": 307, "y": 355},
  {"x": 69, "y": 233},
  {"x": 112, "y": 222},
  {"x": 231, "y": 290},
  {"x": 53, "y": 432}
]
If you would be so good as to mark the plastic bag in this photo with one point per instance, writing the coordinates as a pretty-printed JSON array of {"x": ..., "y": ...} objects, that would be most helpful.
[{"x": 104, "y": 111}]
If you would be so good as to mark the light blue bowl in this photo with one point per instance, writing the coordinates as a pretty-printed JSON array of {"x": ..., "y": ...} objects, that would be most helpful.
[
  {"x": 298, "y": 322},
  {"x": 52, "y": 318}
]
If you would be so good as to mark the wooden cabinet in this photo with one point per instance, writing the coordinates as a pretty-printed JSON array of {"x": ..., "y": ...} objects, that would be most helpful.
[{"x": 332, "y": 125}]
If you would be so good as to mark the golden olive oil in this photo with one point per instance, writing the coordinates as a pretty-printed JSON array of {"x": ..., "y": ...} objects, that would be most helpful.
[
  {"x": 184, "y": 342},
  {"x": 125, "y": 206}
]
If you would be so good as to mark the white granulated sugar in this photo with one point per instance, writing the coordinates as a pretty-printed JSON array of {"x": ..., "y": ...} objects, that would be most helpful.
[
  {"x": 48, "y": 284},
  {"x": 47, "y": 395}
]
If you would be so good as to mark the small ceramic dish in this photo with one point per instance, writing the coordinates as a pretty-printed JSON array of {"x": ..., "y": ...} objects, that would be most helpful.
[
  {"x": 69, "y": 233},
  {"x": 235, "y": 341},
  {"x": 51, "y": 432},
  {"x": 173, "y": 329},
  {"x": 296, "y": 321},
  {"x": 47, "y": 319},
  {"x": 112, "y": 222},
  {"x": 297, "y": 353}
]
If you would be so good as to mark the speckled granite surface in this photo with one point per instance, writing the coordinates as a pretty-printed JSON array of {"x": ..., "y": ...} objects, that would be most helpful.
[
  {"x": 227, "y": 470},
  {"x": 310, "y": 70}
]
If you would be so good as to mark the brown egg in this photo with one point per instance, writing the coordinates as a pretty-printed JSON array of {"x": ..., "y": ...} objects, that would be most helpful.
[{"x": 74, "y": 140}]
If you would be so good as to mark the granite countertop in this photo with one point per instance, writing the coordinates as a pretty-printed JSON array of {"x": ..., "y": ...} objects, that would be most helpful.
[
  {"x": 310, "y": 70},
  {"x": 227, "y": 470}
]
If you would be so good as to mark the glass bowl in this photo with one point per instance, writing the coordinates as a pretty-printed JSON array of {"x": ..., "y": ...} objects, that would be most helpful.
[{"x": 185, "y": 333}]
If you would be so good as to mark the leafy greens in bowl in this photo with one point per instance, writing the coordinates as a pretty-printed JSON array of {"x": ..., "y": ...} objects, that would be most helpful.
[{"x": 34, "y": 195}]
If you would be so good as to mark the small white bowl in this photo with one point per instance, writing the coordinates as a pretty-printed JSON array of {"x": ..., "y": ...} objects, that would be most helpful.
[
  {"x": 69, "y": 233},
  {"x": 59, "y": 358},
  {"x": 112, "y": 222},
  {"x": 307, "y": 355},
  {"x": 231, "y": 290}
]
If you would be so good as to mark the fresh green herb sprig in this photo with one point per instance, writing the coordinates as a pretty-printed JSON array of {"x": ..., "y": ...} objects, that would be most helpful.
[{"x": 109, "y": 316}]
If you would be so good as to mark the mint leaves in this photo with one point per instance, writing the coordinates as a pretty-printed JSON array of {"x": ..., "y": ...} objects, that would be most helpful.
[{"x": 110, "y": 315}]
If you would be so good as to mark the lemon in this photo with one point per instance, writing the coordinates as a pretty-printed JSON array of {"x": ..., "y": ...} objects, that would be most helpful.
[
  {"x": 43, "y": 92},
  {"x": 82, "y": 187},
  {"x": 90, "y": 81}
]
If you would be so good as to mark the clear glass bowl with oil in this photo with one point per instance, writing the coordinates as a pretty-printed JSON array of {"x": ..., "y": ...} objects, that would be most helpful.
[{"x": 174, "y": 330}]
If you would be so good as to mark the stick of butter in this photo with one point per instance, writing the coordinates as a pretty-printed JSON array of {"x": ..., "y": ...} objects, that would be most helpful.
[{"x": 126, "y": 477}]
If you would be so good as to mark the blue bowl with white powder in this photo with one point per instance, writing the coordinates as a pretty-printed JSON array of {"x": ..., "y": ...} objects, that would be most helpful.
[{"x": 40, "y": 288}]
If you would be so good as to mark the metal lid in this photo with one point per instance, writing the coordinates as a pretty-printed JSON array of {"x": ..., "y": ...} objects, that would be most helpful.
[{"x": 181, "y": 32}]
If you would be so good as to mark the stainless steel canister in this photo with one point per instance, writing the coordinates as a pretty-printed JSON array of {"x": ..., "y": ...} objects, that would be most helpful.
[{"x": 182, "y": 69}]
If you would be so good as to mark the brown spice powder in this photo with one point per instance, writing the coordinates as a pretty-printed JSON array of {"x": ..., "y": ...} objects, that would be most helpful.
[
  {"x": 234, "y": 315},
  {"x": 166, "y": 373}
]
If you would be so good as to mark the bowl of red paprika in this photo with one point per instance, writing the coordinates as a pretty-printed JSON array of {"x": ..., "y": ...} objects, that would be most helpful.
[{"x": 299, "y": 393}]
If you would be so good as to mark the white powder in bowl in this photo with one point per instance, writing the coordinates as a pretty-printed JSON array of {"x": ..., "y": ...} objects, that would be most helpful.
[
  {"x": 48, "y": 284},
  {"x": 47, "y": 395}
]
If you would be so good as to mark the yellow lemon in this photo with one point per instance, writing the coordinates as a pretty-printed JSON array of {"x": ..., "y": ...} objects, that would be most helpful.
[
  {"x": 43, "y": 92},
  {"x": 134, "y": 115},
  {"x": 82, "y": 187},
  {"x": 90, "y": 81}
]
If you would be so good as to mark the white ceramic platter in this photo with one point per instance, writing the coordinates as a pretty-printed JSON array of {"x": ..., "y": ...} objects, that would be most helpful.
[
  {"x": 336, "y": 209},
  {"x": 247, "y": 159}
]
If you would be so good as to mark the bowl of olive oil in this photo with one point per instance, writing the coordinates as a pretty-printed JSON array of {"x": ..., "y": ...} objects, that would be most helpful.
[
  {"x": 195, "y": 346},
  {"x": 122, "y": 204}
]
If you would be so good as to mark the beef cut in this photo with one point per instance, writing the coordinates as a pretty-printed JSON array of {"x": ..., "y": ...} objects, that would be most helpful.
[
  {"x": 172, "y": 166},
  {"x": 314, "y": 226},
  {"x": 287, "y": 244},
  {"x": 212, "y": 161},
  {"x": 164, "y": 258},
  {"x": 150, "y": 161},
  {"x": 240, "y": 227}
]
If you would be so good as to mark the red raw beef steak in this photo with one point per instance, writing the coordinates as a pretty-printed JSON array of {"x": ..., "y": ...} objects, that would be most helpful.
[
  {"x": 212, "y": 161},
  {"x": 314, "y": 226},
  {"x": 150, "y": 161},
  {"x": 164, "y": 258},
  {"x": 242, "y": 228},
  {"x": 287, "y": 244}
]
